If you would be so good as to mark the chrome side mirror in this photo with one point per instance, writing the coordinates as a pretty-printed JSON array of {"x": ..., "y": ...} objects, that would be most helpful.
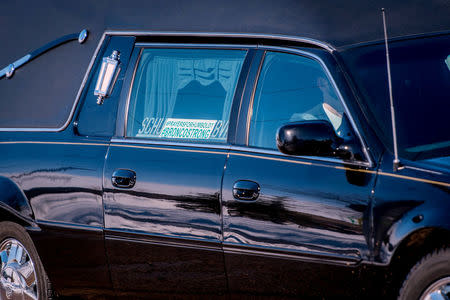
[{"x": 107, "y": 76}]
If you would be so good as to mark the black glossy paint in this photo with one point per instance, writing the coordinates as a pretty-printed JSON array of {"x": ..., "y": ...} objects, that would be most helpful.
[
  {"x": 304, "y": 211},
  {"x": 67, "y": 189},
  {"x": 398, "y": 202},
  {"x": 311, "y": 138},
  {"x": 74, "y": 258},
  {"x": 176, "y": 196},
  {"x": 59, "y": 175},
  {"x": 63, "y": 188},
  {"x": 180, "y": 230},
  {"x": 13, "y": 199}
]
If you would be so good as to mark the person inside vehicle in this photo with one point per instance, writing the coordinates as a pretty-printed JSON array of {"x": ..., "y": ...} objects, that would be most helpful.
[{"x": 330, "y": 109}]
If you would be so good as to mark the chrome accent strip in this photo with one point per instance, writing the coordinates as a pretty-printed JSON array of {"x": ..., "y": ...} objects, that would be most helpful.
[
  {"x": 169, "y": 143},
  {"x": 77, "y": 99},
  {"x": 130, "y": 89},
  {"x": 252, "y": 97},
  {"x": 280, "y": 37},
  {"x": 327, "y": 72},
  {"x": 420, "y": 169},
  {"x": 168, "y": 242},
  {"x": 69, "y": 225},
  {"x": 199, "y": 46},
  {"x": 232, "y": 248},
  {"x": 313, "y": 158},
  {"x": 9, "y": 70}
]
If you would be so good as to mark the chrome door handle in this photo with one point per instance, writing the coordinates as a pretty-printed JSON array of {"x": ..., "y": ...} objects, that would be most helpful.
[
  {"x": 123, "y": 178},
  {"x": 246, "y": 190}
]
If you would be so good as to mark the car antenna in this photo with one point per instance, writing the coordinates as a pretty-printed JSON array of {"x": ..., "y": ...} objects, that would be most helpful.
[{"x": 396, "y": 162}]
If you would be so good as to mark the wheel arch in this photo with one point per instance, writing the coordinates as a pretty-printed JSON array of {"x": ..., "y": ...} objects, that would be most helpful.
[
  {"x": 407, "y": 244},
  {"x": 413, "y": 248},
  {"x": 422, "y": 227},
  {"x": 422, "y": 241},
  {"x": 14, "y": 205}
]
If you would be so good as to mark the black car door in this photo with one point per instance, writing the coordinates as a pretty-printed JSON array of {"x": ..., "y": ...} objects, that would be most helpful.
[
  {"x": 163, "y": 174},
  {"x": 63, "y": 180},
  {"x": 294, "y": 225}
]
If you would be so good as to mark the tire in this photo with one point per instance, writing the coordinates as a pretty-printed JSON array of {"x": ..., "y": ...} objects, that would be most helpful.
[
  {"x": 22, "y": 275},
  {"x": 429, "y": 276}
]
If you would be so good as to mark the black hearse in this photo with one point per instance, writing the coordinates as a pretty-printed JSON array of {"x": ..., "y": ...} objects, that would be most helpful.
[{"x": 224, "y": 150}]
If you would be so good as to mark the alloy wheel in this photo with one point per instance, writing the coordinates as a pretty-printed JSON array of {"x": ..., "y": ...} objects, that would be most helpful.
[{"x": 18, "y": 278}]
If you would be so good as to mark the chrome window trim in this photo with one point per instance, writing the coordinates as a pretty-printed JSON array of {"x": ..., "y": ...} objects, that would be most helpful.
[
  {"x": 280, "y": 37},
  {"x": 176, "y": 46},
  {"x": 317, "y": 43},
  {"x": 75, "y": 104},
  {"x": 252, "y": 97},
  {"x": 232, "y": 148},
  {"x": 130, "y": 88},
  {"x": 152, "y": 142},
  {"x": 333, "y": 82},
  {"x": 197, "y": 46},
  {"x": 313, "y": 158}
]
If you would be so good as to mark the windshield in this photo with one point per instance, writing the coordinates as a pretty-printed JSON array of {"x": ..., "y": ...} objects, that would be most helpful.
[{"x": 421, "y": 89}]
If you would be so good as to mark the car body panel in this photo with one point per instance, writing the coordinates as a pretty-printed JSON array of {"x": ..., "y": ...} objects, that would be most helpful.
[
  {"x": 420, "y": 202},
  {"x": 168, "y": 203}
]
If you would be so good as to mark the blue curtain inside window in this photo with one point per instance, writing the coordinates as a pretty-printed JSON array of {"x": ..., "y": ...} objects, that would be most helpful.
[{"x": 184, "y": 83}]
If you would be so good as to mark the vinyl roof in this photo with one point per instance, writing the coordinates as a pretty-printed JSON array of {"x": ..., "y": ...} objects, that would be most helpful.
[{"x": 28, "y": 25}]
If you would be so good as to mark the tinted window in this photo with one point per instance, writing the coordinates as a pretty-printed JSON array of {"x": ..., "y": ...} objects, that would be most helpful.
[
  {"x": 184, "y": 94},
  {"x": 292, "y": 88},
  {"x": 421, "y": 90}
]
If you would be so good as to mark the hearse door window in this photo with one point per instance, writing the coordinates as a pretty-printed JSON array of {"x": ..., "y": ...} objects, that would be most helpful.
[
  {"x": 184, "y": 94},
  {"x": 293, "y": 88}
]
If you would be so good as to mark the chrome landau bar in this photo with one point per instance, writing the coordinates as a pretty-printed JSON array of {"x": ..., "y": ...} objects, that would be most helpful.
[{"x": 10, "y": 69}]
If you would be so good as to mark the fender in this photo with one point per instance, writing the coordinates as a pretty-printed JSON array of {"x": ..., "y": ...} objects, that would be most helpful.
[
  {"x": 13, "y": 202},
  {"x": 427, "y": 216}
]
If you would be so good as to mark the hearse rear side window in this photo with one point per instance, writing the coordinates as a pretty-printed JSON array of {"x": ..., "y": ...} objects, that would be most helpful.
[{"x": 184, "y": 94}]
